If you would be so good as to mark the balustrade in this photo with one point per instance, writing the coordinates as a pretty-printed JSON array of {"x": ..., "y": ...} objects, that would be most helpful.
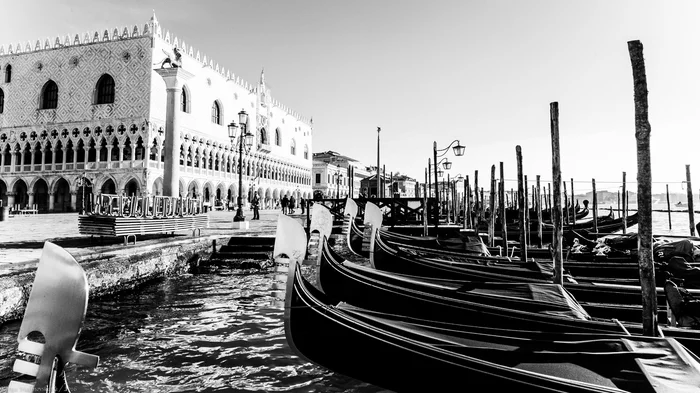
[{"x": 146, "y": 206}]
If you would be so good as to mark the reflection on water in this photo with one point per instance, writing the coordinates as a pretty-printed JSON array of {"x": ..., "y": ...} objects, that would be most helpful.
[{"x": 204, "y": 333}]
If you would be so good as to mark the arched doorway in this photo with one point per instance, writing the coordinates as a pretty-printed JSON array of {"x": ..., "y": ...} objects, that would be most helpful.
[
  {"x": 21, "y": 197},
  {"x": 84, "y": 194},
  {"x": 3, "y": 193},
  {"x": 132, "y": 188},
  {"x": 158, "y": 187},
  {"x": 108, "y": 187},
  {"x": 41, "y": 195},
  {"x": 62, "y": 196},
  {"x": 192, "y": 190}
]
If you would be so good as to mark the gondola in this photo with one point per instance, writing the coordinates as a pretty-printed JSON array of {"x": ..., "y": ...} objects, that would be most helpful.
[{"x": 407, "y": 357}]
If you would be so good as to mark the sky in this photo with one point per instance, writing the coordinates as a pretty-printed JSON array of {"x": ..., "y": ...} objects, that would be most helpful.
[{"x": 483, "y": 72}]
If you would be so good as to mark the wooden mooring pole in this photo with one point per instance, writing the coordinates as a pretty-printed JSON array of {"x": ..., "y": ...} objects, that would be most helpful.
[
  {"x": 691, "y": 213},
  {"x": 556, "y": 209},
  {"x": 566, "y": 205},
  {"x": 527, "y": 211},
  {"x": 502, "y": 208},
  {"x": 642, "y": 132},
  {"x": 624, "y": 203},
  {"x": 492, "y": 206},
  {"x": 521, "y": 204},
  {"x": 468, "y": 203},
  {"x": 573, "y": 200},
  {"x": 539, "y": 214},
  {"x": 595, "y": 208},
  {"x": 476, "y": 200},
  {"x": 668, "y": 207}
]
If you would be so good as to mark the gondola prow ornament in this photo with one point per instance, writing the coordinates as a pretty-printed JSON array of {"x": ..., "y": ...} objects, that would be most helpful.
[{"x": 56, "y": 309}]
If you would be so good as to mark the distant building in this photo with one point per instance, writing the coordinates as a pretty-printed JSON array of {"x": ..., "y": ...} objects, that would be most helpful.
[{"x": 331, "y": 175}]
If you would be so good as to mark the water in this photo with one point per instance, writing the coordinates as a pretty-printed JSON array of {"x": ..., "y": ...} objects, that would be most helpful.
[
  {"x": 194, "y": 333},
  {"x": 203, "y": 333}
]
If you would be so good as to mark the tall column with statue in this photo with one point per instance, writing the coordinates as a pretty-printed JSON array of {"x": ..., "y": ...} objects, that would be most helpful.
[{"x": 174, "y": 78}]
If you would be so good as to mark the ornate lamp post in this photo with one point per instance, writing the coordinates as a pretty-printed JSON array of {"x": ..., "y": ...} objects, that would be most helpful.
[
  {"x": 337, "y": 177},
  {"x": 458, "y": 150},
  {"x": 244, "y": 139},
  {"x": 82, "y": 183}
]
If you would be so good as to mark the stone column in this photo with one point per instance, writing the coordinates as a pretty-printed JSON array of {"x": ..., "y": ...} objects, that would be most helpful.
[
  {"x": 109, "y": 157},
  {"x": 2, "y": 159},
  {"x": 174, "y": 79},
  {"x": 43, "y": 158},
  {"x": 31, "y": 200},
  {"x": 52, "y": 201},
  {"x": 11, "y": 198},
  {"x": 65, "y": 152},
  {"x": 73, "y": 200}
]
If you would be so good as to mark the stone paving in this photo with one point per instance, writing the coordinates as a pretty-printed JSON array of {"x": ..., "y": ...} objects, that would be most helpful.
[{"x": 22, "y": 237}]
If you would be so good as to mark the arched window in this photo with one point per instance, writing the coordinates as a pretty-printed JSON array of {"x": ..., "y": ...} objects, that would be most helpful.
[
  {"x": 293, "y": 148},
  {"x": 185, "y": 100},
  {"x": 263, "y": 136},
  {"x": 49, "y": 95},
  {"x": 306, "y": 152},
  {"x": 104, "y": 90},
  {"x": 8, "y": 73},
  {"x": 2, "y": 101},
  {"x": 278, "y": 137},
  {"x": 216, "y": 113}
]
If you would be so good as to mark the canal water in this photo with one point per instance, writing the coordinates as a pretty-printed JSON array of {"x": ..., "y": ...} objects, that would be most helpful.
[{"x": 214, "y": 332}]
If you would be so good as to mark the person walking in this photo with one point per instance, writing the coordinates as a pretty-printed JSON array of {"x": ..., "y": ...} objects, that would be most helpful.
[
  {"x": 292, "y": 204},
  {"x": 302, "y": 204},
  {"x": 256, "y": 206},
  {"x": 285, "y": 203}
]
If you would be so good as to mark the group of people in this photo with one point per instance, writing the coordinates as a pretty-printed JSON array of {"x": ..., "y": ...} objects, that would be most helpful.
[{"x": 288, "y": 205}]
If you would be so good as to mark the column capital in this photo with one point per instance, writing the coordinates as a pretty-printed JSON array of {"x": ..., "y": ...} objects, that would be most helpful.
[{"x": 174, "y": 77}]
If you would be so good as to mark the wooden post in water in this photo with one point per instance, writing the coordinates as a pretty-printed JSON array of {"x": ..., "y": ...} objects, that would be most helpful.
[
  {"x": 595, "y": 208},
  {"x": 476, "y": 200},
  {"x": 526, "y": 199},
  {"x": 556, "y": 209},
  {"x": 624, "y": 203},
  {"x": 492, "y": 206},
  {"x": 619, "y": 212},
  {"x": 549, "y": 199},
  {"x": 668, "y": 207},
  {"x": 521, "y": 204},
  {"x": 539, "y": 214},
  {"x": 502, "y": 208},
  {"x": 446, "y": 187},
  {"x": 691, "y": 212},
  {"x": 426, "y": 188},
  {"x": 566, "y": 205},
  {"x": 468, "y": 203},
  {"x": 467, "y": 217},
  {"x": 573, "y": 201},
  {"x": 429, "y": 180},
  {"x": 642, "y": 132},
  {"x": 481, "y": 211}
]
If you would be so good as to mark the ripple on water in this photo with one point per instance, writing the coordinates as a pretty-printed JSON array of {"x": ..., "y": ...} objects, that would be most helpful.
[{"x": 203, "y": 333}]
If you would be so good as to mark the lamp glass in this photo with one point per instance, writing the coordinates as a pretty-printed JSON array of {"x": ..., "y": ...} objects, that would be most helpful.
[
  {"x": 440, "y": 172},
  {"x": 242, "y": 117},
  {"x": 232, "y": 129},
  {"x": 458, "y": 150},
  {"x": 447, "y": 165},
  {"x": 249, "y": 139}
]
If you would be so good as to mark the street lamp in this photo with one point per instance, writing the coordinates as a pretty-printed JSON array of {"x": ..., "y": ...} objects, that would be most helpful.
[
  {"x": 458, "y": 150},
  {"x": 337, "y": 177},
  {"x": 82, "y": 183},
  {"x": 244, "y": 138}
]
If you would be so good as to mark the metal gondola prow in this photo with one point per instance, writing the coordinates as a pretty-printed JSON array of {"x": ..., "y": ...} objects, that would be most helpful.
[
  {"x": 373, "y": 222},
  {"x": 289, "y": 249},
  {"x": 56, "y": 309}
]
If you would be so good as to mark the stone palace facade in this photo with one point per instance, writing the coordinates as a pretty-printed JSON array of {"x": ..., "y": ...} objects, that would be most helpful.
[{"x": 91, "y": 109}]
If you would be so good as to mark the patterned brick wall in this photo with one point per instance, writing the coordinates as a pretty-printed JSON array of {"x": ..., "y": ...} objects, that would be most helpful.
[{"x": 76, "y": 69}]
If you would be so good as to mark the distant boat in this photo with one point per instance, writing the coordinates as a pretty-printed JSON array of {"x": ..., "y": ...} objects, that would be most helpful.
[{"x": 681, "y": 204}]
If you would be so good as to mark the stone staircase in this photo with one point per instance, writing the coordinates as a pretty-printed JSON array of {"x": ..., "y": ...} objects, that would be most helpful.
[{"x": 244, "y": 252}]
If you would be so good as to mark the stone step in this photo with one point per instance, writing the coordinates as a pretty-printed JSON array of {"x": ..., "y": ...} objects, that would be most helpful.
[
  {"x": 258, "y": 255},
  {"x": 246, "y": 248},
  {"x": 251, "y": 240}
]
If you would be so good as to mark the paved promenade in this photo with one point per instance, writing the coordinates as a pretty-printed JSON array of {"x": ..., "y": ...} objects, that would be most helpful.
[{"x": 22, "y": 237}]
